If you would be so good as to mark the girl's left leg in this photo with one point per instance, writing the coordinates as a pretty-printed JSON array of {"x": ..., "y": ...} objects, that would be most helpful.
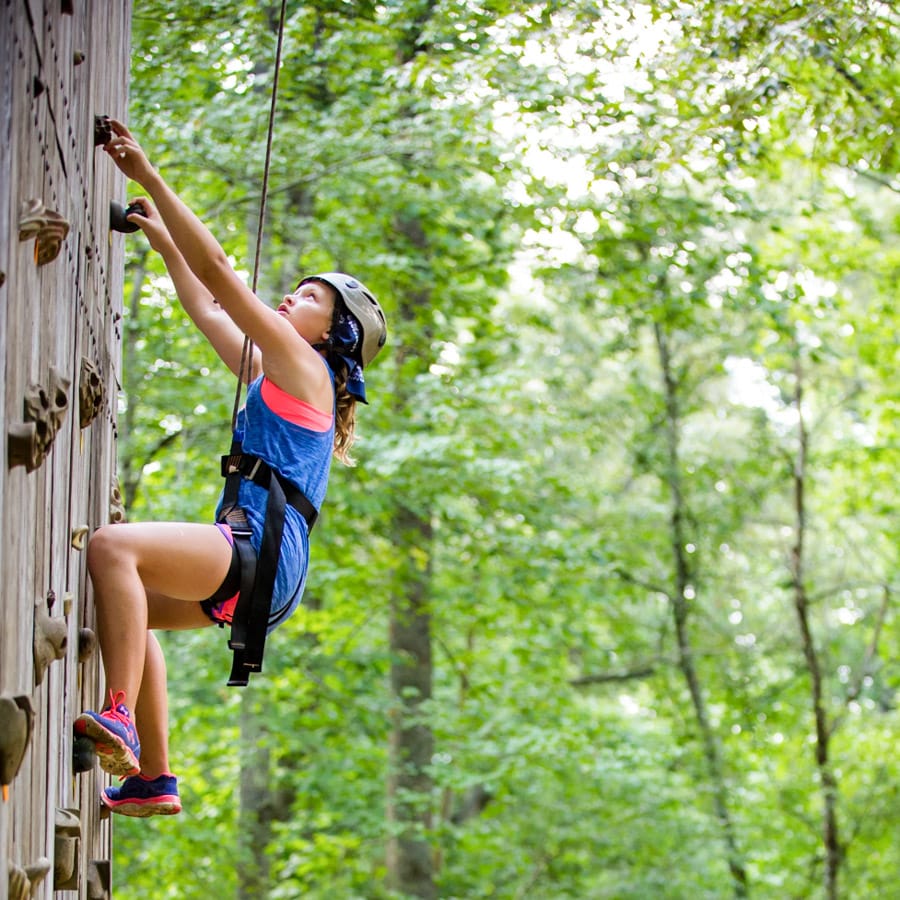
[
  {"x": 132, "y": 567},
  {"x": 129, "y": 564}
]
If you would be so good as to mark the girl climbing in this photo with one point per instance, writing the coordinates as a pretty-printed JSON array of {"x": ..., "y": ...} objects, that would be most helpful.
[{"x": 304, "y": 372}]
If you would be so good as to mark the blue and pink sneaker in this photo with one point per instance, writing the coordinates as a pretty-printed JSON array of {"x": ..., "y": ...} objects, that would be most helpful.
[
  {"x": 114, "y": 736},
  {"x": 141, "y": 796}
]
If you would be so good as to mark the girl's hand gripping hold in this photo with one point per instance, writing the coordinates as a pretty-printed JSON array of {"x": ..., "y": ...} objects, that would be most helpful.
[
  {"x": 151, "y": 223},
  {"x": 127, "y": 154}
]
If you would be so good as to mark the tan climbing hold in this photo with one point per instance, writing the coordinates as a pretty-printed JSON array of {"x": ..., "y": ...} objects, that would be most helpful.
[
  {"x": 99, "y": 879},
  {"x": 87, "y": 644},
  {"x": 24, "y": 882},
  {"x": 48, "y": 228},
  {"x": 51, "y": 636},
  {"x": 116, "y": 504},
  {"x": 79, "y": 536},
  {"x": 16, "y": 725},
  {"x": 44, "y": 410},
  {"x": 90, "y": 392},
  {"x": 66, "y": 847}
]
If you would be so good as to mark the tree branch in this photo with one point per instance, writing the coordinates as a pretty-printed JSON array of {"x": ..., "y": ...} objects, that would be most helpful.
[
  {"x": 649, "y": 586},
  {"x": 644, "y": 671}
]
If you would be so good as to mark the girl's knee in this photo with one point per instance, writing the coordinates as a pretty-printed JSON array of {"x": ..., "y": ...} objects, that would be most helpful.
[{"x": 106, "y": 547}]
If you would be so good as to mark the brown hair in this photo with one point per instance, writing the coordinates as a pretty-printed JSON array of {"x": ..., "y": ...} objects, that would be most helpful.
[
  {"x": 344, "y": 418},
  {"x": 344, "y": 402}
]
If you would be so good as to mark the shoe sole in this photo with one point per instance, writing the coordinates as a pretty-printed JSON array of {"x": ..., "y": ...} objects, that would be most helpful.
[
  {"x": 114, "y": 756},
  {"x": 142, "y": 809}
]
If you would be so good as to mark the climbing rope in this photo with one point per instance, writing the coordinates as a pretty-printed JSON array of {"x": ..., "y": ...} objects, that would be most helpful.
[{"x": 247, "y": 350}]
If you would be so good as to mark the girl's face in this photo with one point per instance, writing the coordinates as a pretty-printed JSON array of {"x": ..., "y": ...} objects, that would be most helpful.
[{"x": 309, "y": 309}]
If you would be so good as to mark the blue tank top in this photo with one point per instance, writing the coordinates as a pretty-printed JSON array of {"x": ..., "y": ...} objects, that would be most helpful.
[{"x": 303, "y": 457}]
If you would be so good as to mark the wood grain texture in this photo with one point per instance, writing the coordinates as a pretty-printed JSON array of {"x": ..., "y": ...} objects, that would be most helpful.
[{"x": 57, "y": 71}]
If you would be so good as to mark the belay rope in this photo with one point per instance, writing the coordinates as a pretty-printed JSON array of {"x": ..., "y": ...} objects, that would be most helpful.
[
  {"x": 247, "y": 350},
  {"x": 251, "y": 614}
]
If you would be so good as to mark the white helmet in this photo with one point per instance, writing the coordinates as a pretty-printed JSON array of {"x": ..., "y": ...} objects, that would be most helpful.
[{"x": 360, "y": 301}]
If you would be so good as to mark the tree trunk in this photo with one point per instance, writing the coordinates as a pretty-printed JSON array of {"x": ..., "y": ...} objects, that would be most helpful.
[
  {"x": 681, "y": 611},
  {"x": 830, "y": 837},
  {"x": 410, "y": 861},
  {"x": 255, "y": 819},
  {"x": 410, "y": 856}
]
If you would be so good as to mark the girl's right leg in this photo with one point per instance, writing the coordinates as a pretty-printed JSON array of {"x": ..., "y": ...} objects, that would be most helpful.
[
  {"x": 152, "y": 710},
  {"x": 154, "y": 790}
]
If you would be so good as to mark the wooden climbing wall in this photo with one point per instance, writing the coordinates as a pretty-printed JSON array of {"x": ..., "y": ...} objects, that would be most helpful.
[{"x": 61, "y": 65}]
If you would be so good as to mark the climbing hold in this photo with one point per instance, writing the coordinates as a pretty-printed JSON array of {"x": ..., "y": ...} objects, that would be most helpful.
[
  {"x": 29, "y": 442},
  {"x": 84, "y": 754},
  {"x": 48, "y": 227},
  {"x": 19, "y": 885},
  {"x": 21, "y": 446},
  {"x": 87, "y": 644},
  {"x": 102, "y": 130},
  {"x": 24, "y": 882},
  {"x": 16, "y": 725},
  {"x": 78, "y": 57},
  {"x": 118, "y": 216},
  {"x": 116, "y": 504},
  {"x": 67, "y": 838},
  {"x": 51, "y": 635},
  {"x": 79, "y": 536},
  {"x": 98, "y": 880},
  {"x": 90, "y": 392}
]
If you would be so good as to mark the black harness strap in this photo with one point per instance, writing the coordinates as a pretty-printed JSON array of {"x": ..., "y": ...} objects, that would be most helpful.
[
  {"x": 250, "y": 620},
  {"x": 242, "y": 665}
]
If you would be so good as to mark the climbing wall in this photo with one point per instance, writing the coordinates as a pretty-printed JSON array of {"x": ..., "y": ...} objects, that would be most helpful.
[{"x": 63, "y": 66}]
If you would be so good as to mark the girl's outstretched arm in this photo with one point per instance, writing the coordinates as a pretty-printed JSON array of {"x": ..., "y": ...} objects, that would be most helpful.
[
  {"x": 298, "y": 366},
  {"x": 209, "y": 317}
]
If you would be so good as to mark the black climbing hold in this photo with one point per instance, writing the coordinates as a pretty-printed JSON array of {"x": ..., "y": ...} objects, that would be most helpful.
[
  {"x": 84, "y": 754},
  {"x": 118, "y": 216},
  {"x": 102, "y": 130}
]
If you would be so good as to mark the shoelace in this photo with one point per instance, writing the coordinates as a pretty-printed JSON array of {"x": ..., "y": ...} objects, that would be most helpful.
[{"x": 113, "y": 712}]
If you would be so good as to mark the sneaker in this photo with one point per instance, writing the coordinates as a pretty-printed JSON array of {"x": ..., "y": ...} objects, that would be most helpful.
[
  {"x": 114, "y": 736},
  {"x": 142, "y": 797}
]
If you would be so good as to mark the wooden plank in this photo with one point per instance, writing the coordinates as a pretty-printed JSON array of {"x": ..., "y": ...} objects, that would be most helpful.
[{"x": 55, "y": 314}]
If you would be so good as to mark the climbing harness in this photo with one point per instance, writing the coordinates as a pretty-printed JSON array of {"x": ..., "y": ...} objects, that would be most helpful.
[{"x": 250, "y": 619}]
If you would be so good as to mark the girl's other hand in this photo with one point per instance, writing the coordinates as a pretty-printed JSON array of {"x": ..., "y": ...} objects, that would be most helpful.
[{"x": 151, "y": 223}]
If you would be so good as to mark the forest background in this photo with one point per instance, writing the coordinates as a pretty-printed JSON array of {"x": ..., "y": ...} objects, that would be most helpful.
[{"x": 608, "y": 607}]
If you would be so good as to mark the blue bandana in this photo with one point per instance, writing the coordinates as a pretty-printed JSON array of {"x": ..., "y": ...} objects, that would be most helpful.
[{"x": 342, "y": 350}]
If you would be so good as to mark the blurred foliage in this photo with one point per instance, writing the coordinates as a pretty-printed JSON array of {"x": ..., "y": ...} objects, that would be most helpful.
[{"x": 590, "y": 178}]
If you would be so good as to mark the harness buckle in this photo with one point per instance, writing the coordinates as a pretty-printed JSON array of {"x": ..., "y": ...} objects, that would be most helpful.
[{"x": 230, "y": 464}]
